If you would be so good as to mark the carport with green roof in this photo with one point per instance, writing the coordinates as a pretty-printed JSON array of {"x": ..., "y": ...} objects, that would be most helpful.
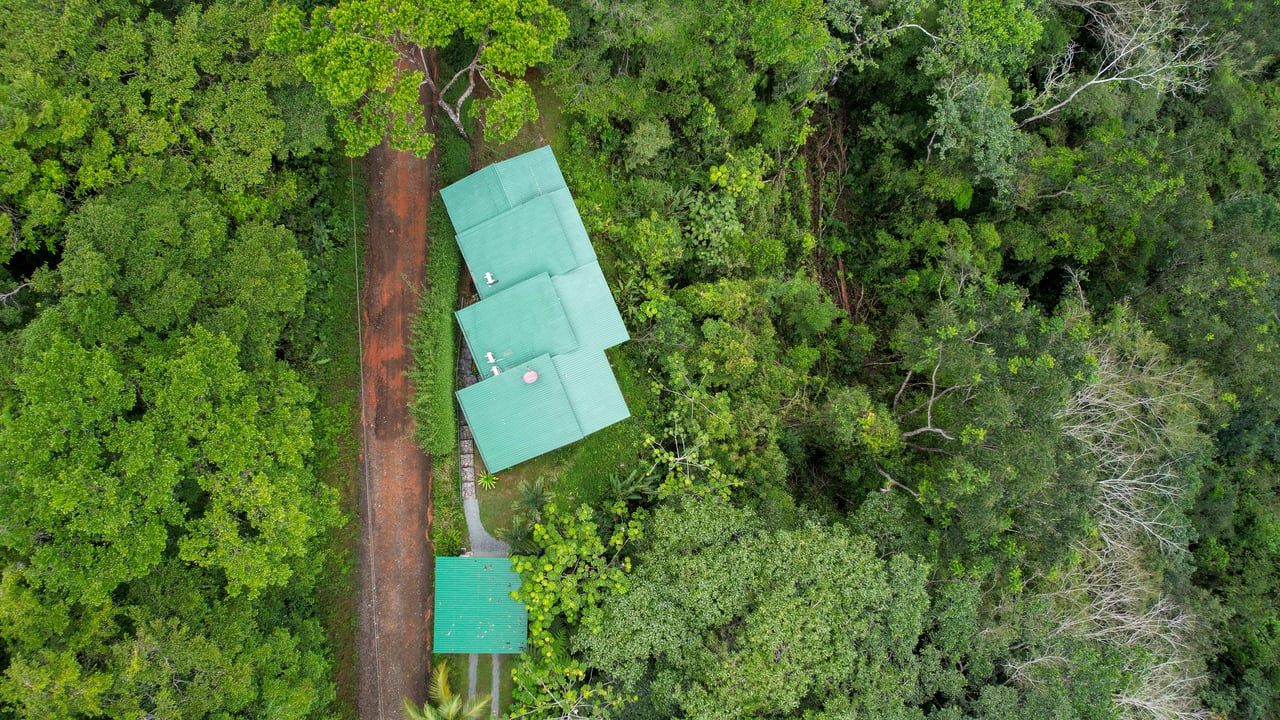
[
  {"x": 545, "y": 317},
  {"x": 474, "y": 611}
]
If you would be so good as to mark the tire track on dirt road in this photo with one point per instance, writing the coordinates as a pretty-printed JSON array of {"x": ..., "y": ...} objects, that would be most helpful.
[{"x": 395, "y": 554}]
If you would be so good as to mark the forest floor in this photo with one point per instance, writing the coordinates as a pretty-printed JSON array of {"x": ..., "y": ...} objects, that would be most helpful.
[{"x": 395, "y": 562}]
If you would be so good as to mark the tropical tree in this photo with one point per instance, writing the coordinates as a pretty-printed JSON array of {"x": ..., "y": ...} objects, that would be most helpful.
[
  {"x": 533, "y": 497},
  {"x": 372, "y": 60},
  {"x": 728, "y": 617},
  {"x": 443, "y": 703}
]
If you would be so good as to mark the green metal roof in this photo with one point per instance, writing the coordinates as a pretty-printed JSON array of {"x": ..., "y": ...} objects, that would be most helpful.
[
  {"x": 474, "y": 612},
  {"x": 589, "y": 305},
  {"x": 518, "y": 324},
  {"x": 592, "y": 390},
  {"x": 544, "y": 235},
  {"x": 489, "y": 192},
  {"x": 545, "y": 306},
  {"x": 513, "y": 420}
]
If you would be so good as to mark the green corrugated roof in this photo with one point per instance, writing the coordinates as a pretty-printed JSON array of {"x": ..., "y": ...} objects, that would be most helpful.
[
  {"x": 512, "y": 420},
  {"x": 520, "y": 323},
  {"x": 592, "y": 389},
  {"x": 587, "y": 302},
  {"x": 489, "y": 192},
  {"x": 548, "y": 307},
  {"x": 474, "y": 612},
  {"x": 544, "y": 235}
]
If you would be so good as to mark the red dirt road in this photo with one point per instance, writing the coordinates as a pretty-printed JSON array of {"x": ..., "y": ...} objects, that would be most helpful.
[{"x": 395, "y": 558}]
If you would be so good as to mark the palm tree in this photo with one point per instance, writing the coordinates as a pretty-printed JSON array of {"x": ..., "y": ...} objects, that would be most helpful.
[
  {"x": 532, "y": 498},
  {"x": 519, "y": 536},
  {"x": 443, "y": 703}
]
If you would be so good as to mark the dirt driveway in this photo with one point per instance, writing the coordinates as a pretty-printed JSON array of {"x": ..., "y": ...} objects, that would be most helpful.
[{"x": 395, "y": 559}]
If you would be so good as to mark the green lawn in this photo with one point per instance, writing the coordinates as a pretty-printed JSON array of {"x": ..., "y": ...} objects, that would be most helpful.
[{"x": 459, "y": 682}]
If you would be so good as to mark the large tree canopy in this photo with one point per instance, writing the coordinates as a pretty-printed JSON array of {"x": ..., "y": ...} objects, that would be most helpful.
[
  {"x": 726, "y": 618},
  {"x": 373, "y": 61},
  {"x": 94, "y": 94},
  {"x": 161, "y": 519}
]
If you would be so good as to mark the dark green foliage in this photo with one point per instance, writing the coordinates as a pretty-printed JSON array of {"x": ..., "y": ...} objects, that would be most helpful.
[
  {"x": 930, "y": 399},
  {"x": 882, "y": 438},
  {"x": 98, "y": 93},
  {"x": 162, "y": 652},
  {"x": 727, "y": 618},
  {"x": 722, "y": 74},
  {"x": 435, "y": 355},
  {"x": 455, "y": 159},
  {"x": 164, "y": 530},
  {"x": 173, "y": 259}
]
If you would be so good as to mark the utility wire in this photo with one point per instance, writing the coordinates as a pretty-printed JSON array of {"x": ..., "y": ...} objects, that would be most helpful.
[{"x": 364, "y": 448}]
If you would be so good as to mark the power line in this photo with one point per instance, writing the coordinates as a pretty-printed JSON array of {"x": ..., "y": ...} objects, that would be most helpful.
[{"x": 364, "y": 437}]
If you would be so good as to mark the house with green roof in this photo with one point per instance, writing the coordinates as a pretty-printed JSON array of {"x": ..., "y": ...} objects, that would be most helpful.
[{"x": 545, "y": 315}]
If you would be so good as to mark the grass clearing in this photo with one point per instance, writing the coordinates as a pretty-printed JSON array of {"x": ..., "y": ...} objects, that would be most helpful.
[
  {"x": 458, "y": 679},
  {"x": 548, "y": 129},
  {"x": 496, "y": 505},
  {"x": 615, "y": 450}
]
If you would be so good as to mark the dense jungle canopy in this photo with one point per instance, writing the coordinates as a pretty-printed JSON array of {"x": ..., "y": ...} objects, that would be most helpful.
[{"x": 955, "y": 371}]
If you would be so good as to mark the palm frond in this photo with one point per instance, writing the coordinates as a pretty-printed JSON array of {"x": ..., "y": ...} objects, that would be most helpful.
[
  {"x": 451, "y": 709},
  {"x": 440, "y": 690},
  {"x": 477, "y": 709},
  {"x": 412, "y": 711}
]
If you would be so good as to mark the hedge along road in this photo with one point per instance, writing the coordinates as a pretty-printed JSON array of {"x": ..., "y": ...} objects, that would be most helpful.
[{"x": 395, "y": 556}]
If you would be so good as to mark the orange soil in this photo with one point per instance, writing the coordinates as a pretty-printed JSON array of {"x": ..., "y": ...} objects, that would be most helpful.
[{"x": 396, "y": 557}]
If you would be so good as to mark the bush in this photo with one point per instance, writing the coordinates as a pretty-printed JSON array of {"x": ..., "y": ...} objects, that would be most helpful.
[{"x": 434, "y": 341}]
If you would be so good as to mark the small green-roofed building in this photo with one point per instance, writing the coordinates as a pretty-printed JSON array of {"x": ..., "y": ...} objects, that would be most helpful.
[
  {"x": 492, "y": 191},
  {"x": 474, "y": 611},
  {"x": 516, "y": 415},
  {"x": 545, "y": 316}
]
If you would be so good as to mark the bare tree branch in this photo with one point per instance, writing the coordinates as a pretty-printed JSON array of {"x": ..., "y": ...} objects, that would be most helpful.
[
  {"x": 1148, "y": 43},
  {"x": 891, "y": 483},
  {"x": 6, "y": 299}
]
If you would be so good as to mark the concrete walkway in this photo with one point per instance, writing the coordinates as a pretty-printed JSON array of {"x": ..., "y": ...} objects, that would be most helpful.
[
  {"x": 482, "y": 543},
  {"x": 495, "y": 678}
]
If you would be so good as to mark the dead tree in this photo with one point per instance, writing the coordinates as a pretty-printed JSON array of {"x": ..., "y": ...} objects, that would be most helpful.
[
  {"x": 7, "y": 298},
  {"x": 1149, "y": 43},
  {"x": 1132, "y": 418},
  {"x": 1135, "y": 417}
]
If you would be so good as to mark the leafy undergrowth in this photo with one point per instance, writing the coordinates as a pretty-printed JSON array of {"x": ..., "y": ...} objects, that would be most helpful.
[{"x": 338, "y": 442}]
